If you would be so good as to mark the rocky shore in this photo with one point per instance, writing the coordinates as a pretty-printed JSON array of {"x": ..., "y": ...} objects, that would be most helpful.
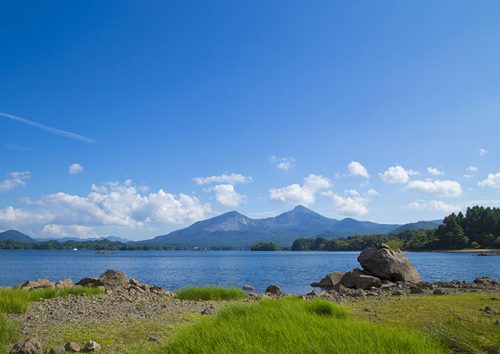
[{"x": 384, "y": 273}]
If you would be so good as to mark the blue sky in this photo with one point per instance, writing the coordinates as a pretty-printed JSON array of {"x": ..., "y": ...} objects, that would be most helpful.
[{"x": 386, "y": 111}]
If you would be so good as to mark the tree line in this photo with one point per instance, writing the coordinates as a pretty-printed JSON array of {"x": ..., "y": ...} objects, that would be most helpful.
[{"x": 478, "y": 228}]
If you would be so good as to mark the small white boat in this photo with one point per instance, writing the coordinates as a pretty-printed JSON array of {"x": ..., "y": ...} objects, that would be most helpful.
[{"x": 75, "y": 249}]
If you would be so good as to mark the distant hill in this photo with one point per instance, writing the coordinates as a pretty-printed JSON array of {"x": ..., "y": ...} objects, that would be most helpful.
[
  {"x": 419, "y": 225},
  {"x": 235, "y": 230},
  {"x": 13, "y": 235},
  {"x": 77, "y": 239}
]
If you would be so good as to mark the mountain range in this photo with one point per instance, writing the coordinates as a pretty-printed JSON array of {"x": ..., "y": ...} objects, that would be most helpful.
[{"x": 235, "y": 230}]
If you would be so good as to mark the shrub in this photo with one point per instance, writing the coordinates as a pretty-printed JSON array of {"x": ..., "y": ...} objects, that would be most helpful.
[{"x": 206, "y": 293}]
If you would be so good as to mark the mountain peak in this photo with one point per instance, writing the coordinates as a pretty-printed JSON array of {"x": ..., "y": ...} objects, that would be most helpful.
[{"x": 301, "y": 208}]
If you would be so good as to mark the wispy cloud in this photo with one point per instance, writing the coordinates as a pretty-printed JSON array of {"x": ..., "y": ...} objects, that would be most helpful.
[{"x": 56, "y": 131}]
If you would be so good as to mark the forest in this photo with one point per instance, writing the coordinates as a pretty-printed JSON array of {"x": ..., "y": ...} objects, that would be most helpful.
[{"x": 478, "y": 228}]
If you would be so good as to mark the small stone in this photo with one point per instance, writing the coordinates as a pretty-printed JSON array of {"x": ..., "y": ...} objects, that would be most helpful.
[
  {"x": 497, "y": 322},
  {"x": 134, "y": 282},
  {"x": 92, "y": 346},
  {"x": 72, "y": 347},
  {"x": 416, "y": 290},
  {"x": 438, "y": 292},
  {"x": 207, "y": 311},
  {"x": 27, "y": 346},
  {"x": 58, "y": 350},
  {"x": 490, "y": 310},
  {"x": 154, "y": 338},
  {"x": 248, "y": 287}
]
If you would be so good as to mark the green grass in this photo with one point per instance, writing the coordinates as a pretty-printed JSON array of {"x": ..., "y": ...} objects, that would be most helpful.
[
  {"x": 455, "y": 320},
  {"x": 294, "y": 326},
  {"x": 8, "y": 331},
  {"x": 17, "y": 300},
  {"x": 210, "y": 293}
]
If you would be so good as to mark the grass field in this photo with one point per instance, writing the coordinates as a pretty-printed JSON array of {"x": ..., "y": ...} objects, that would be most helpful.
[
  {"x": 294, "y": 326},
  {"x": 210, "y": 293},
  {"x": 455, "y": 320},
  {"x": 407, "y": 324}
]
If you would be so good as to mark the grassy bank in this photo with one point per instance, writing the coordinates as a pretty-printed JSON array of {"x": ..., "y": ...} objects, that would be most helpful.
[
  {"x": 210, "y": 293},
  {"x": 294, "y": 326},
  {"x": 17, "y": 300},
  {"x": 457, "y": 321}
]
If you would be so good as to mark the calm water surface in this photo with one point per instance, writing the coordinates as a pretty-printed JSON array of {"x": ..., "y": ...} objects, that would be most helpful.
[{"x": 293, "y": 271}]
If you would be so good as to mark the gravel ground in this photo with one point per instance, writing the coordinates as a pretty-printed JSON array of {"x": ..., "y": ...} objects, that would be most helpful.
[{"x": 123, "y": 306}]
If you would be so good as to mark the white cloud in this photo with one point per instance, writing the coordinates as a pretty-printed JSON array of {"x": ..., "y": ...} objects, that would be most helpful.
[
  {"x": 232, "y": 178},
  {"x": 471, "y": 169},
  {"x": 493, "y": 180},
  {"x": 282, "y": 163},
  {"x": 372, "y": 193},
  {"x": 445, "y": 188},
  {"x": 110, "y": 204},
  {"x": 227, "y": 195},
  {"x": 300, "y": 194},
  {"x": 435, "y": 205},
  {"x": 357, "y": 169},
  {"x": 14, "y": 180},
  {"x": 68, "y": 231},
  {"x": 482, "y": 152},
  {"x": 434, "y": 171},
  {"x": 75, "y": 169},
  {"x": 397, "y": 175},
  {"x": 352, "y": 203}
]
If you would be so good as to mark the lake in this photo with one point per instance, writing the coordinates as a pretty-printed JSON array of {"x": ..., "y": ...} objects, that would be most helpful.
[{"x": 293, "y": 271}]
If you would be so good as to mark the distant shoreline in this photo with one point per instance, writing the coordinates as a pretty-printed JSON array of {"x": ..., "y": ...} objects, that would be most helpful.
[{"x": 469, "y": 250}]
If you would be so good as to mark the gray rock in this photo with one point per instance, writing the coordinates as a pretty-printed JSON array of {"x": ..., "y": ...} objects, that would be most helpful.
[
  {"x": 273, "y": 290},
  {"x": 490, "y": 310},
  {"x": 28, "y": 285},
  {"x": 329, "y": 280},
  {"x": 134, "y": 282},
  {"x": 248, "y": 287},
  {"x": 349, "y": 278},
  {"x": 357, "y": 279},
  {"x": 416, "y": 290},
  {"x": 72, "y": 347},
  {"x": 112, "y": 280},
  {"x": 485, "y": 281},
  {"x": 58, "y": 350},
  {"x": 65, "y": 283},
  {"x": 91, "y": 282},
  {"x": 27, "y": 346},
  {"x": 364, "y": 282},
  {"x": 207, "y": 311},
  {"x": 45, "y": 284},
  {"x": 92, "y": 346},
  {"x": 388, "y": 264},
  {"x": 438, "y": 292}
]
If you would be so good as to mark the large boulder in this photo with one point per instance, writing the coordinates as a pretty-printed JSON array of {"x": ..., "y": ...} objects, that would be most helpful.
[
  {"x": 330, "y": 280},
  {"x": 358, "y": 279},
  {"x": 112, "y": 279},
  {"x": 27, "y": 346},
  {"x": 273, "y": 290},
  {"x": 386, "y": 263}
]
